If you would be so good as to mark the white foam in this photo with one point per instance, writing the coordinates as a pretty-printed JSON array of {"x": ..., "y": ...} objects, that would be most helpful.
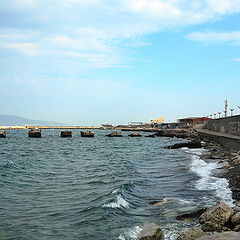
[
  {"x": 120, "y": 202},
  {"x": 131, "y": 233},
  {"x": 208, "y": 182}
]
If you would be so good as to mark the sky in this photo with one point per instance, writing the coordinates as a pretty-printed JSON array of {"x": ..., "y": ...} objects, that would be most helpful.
[{"x": 87, "y": 62}]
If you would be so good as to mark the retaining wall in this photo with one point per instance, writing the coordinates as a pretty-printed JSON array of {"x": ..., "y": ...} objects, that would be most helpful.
[{"x": 230, "y": 125}]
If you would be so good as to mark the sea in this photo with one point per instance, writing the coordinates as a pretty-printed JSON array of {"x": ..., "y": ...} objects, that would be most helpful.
[{"x": 100, "y": 188}]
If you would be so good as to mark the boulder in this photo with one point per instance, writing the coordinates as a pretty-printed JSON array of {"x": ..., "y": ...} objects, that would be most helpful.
[
  {"x": 135, "y": 135},
  {"x": 150, "y": 231},
  {"x": 192, "y": 234},
  {"x": 2, "y": 134},
  {"x": 192, "y": 216},
  {"x": 87, "y": 134},
  {"x": 115, "y": 134},
  {"x": 65, "y": 134},
  {"x": 216, "y": 217},
  {"x": 235, "y": 219},
  {"x": 237, "y": 228},
  {"x": 221, "y": 236},
  {"x": 34, "y": 133},
  {"x": 191, "y": 144},
  {"x": 163, "y": 202}
]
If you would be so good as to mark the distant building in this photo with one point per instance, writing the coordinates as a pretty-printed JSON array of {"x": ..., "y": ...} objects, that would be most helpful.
[
  {"x": 191, "y": 120},
  {"x": 107, "y": 125}
]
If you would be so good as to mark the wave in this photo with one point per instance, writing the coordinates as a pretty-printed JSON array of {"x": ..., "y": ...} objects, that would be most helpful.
[
  {"x": 208, "y": 182},
  {"x": 131, "y": 233},
  {"x": 120, "y": 202}
]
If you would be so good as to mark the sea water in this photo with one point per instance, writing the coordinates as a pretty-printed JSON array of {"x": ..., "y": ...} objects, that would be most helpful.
[{"x": 100, "y": 188}]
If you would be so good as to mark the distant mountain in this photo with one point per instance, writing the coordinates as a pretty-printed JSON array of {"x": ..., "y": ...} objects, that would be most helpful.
[{"x": 10, "y": 120}]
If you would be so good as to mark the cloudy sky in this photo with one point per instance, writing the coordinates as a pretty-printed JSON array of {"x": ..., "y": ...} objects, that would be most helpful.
[{"x": 93, "y": 61}]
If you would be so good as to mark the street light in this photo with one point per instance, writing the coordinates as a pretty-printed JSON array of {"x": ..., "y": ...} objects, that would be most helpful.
[
  {"x": 219, "y": 114},
  {"x": 231, "y": 109},
  {"x": 214, "y": 115}
]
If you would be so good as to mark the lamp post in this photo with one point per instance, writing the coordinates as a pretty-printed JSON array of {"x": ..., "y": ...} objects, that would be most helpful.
[
  {"x": 231, "y": 109},
  {"x": 226, "y": 107},
  {"x": 219, "y": 114},
  {"x": 214, "y": 115}
]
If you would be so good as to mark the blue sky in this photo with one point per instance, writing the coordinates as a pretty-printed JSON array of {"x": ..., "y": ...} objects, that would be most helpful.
[{"x": 93, "y": 61}]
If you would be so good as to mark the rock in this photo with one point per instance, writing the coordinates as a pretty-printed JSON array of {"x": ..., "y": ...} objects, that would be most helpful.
[
  {"x": 221, "y": 236},
  {"x": 216, "y": 217},
  {"x": 87, "y": 134},
  {"x": 162, "y": 202},
  {"x": 151, "y": 136},
  {"x": 191, "y": 144},
  {"x": 2, "y": 134},
  {"x": 65, "y": 134},
  {"x": 235, "y": 219},
  {"x": 115, "y": 134},
  {"x": 193, "y": 216},
  {"x": 34, "y": 133},
  {"x": 192, "y": 234},
  {"x": 135, "y": 135},
  {"x": 237, "y": 228},
  {"x": 150, "y": 231}
]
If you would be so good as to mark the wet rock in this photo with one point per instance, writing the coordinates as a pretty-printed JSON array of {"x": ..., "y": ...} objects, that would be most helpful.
[
  {"x": 235, "y": 219},
  {"x": 2, "y": 134},
  {"x": 162, "y": 202},
  {"x": 222, "y": 236},
  {"x": 192, "y": 234},
  {"x": 87, "y": 134},
  {"x": 237, "y": 228},
  {"x": 65, "y": 134},
  {"x": 34, "y": 133},
  {"x": 191, "y": 144},
  {"x": 216, "y": 217},
  {"x": 115, "y": 134},
  {"x": 135, "y": 135},
  {"x": 193, "y": 216},
  {"x": 151, "y": 136},
  {"x": 150, "y": 231}
]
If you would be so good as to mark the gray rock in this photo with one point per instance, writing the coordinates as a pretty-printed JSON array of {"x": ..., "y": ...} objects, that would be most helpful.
[
  {"x": 191, "y": 216},
  {"x": 192, "y": 234},
  {"x": 235, "y": 219},
  {"x": 215, "y": 217},
  {"x": 221, "y": 236},
  {"x": 150, "y": 231},
  {"x": 87, "y": 134},
  {"x": 115, "y": 134},
  {"x": 237, "y": 228}
]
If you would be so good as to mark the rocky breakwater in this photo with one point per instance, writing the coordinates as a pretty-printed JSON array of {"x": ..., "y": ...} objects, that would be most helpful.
[
  {"x": 135, "y": 135},
  {"x": 65, "y": 134},
  {"x": 217, "y": 222},
  {"x": 178, "y": 133}
]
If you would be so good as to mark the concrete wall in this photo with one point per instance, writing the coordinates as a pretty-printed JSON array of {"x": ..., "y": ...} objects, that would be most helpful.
[{"x": 229, "y": 125}]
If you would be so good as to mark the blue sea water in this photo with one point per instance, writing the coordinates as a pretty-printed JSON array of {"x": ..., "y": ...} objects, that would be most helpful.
[{"x": 99, "y": 188}]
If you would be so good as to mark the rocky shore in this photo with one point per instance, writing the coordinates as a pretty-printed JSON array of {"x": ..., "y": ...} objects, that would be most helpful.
[{"x": 219, "y": 222}]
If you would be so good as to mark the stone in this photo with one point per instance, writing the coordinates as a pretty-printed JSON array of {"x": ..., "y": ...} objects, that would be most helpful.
[
  {"x": 216, "y": 217},
  {"x": 65, "y": 134},
  {"x": 34, "y": 133},
  {"x": 135, "y": 135},
  {"x": 235, "y": 219},
  {"x": 115, "y": 134},
  {"x": 237, "y": 228},
  {"x": 162, "y": 202},
  {"x": 2, "y": 134},
  {"x": 192, "y": 234},
  {"x": 191, "y": 144},
  {"x": 150, "y": 231},
  {"x": 87, "y": 134},
  {"x": 221, "y": 236},
  {"x": 192, "y": 216}
]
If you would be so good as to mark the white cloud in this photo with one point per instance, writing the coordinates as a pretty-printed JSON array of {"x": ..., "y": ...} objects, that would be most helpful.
[
  {"x": 236, "y": 59},
  {"x": 232, "y": 37}
]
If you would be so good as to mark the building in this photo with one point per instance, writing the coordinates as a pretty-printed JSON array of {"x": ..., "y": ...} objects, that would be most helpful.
[{"x": 191, "y": 120}]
